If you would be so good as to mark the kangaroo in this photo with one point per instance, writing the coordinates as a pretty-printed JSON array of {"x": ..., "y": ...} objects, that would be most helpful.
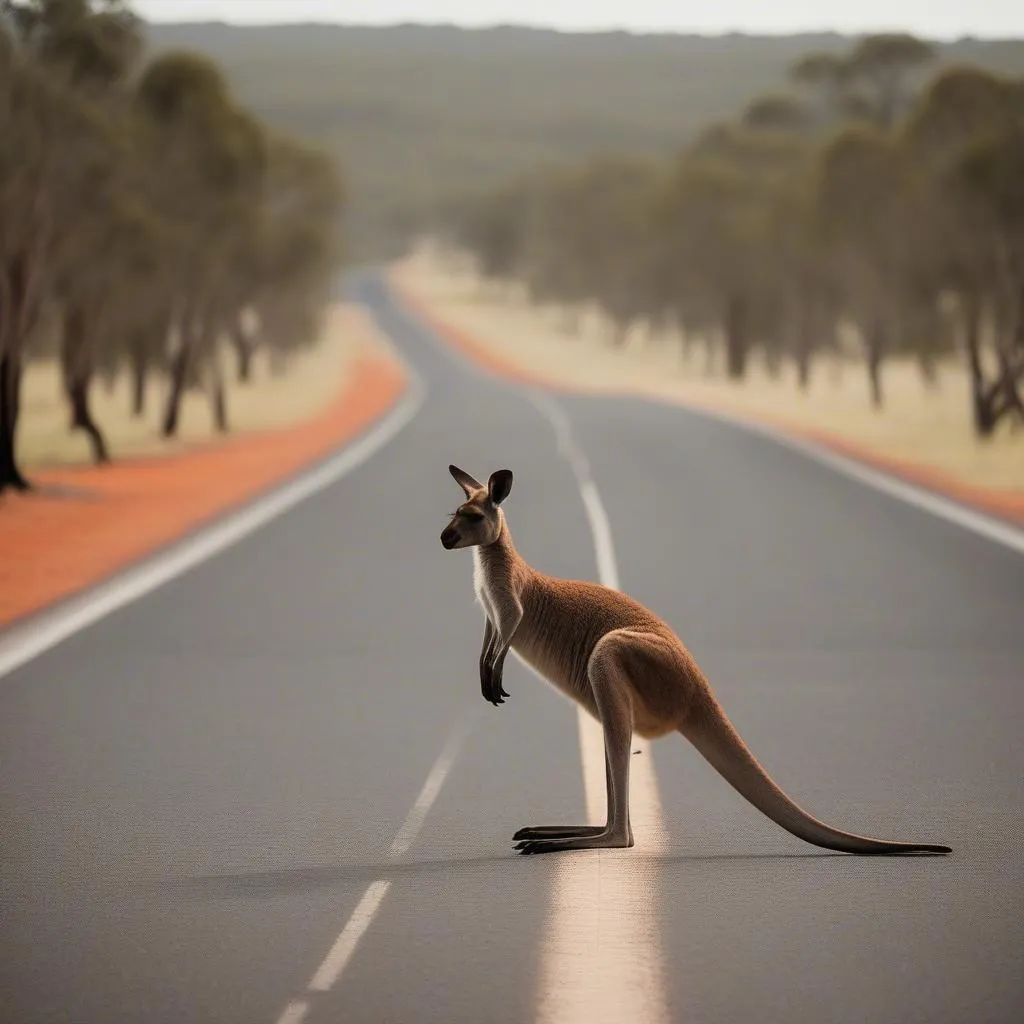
[{"x": 624, "y": 665}]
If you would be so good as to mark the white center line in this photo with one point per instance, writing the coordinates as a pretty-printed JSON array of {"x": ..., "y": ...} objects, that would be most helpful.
[
  {"x": 294, "y": 1013},
  {"x": 345, "y": 945},
  {"x": 602, "y": 958},
  {"x": 339, "y": 955}
]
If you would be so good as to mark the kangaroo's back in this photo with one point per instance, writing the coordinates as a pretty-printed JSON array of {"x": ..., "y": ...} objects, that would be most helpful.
[{"x": 563, "y": 621}]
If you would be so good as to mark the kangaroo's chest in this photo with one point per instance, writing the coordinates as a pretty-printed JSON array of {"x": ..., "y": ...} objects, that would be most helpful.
[{"x": 481, "y": 584}]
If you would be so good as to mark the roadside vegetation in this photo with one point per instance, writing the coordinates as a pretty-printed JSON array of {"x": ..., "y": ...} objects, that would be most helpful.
[
  {"x": 151, "y": 226},
  {"x": 870, "y": 206},
  {"x": 421, "y": 113}
]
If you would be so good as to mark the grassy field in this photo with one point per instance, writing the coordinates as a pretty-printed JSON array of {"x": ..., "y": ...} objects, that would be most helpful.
[
  {"x": 311, "y": 382},
  {"x": 930, "y": 428}
]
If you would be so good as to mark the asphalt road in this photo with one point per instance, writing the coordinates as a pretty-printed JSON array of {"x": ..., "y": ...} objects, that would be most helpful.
[{"x": 199, "y": 791}]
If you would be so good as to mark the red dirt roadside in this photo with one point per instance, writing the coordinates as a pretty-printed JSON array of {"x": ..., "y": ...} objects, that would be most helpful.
[
  {"x": 1005, "y": 505},
  {"x": 86, "y": 523}
]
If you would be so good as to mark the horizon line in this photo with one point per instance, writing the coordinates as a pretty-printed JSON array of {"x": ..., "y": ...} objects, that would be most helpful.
[{"x": 589, "y": 31}]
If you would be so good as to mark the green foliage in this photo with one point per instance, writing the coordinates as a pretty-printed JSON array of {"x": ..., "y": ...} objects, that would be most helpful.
[
  {"x": 142, "y": 205},
  {"x": 775, "y": 231},
  {"x": 424, "y": 115}
]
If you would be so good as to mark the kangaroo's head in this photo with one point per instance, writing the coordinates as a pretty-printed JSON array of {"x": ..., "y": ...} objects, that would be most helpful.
[{"x": 477, "y": 521}]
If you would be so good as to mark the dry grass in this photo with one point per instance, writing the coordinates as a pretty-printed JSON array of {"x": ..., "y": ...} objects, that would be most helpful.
[
  {"x": 311, "y": 382},
  {"x": 929, "y": 427}
]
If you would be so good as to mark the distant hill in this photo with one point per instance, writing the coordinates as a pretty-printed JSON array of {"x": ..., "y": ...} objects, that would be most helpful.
[{"x": 417, "y": 113}]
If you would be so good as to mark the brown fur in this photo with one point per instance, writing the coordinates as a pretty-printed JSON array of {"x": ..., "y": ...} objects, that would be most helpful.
[{"x": 623, "y": 664}]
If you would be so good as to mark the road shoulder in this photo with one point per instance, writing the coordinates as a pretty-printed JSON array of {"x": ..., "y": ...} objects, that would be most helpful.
[
  {"x": 1006, "y": 505},
  {"x": 84, "y": 525}
]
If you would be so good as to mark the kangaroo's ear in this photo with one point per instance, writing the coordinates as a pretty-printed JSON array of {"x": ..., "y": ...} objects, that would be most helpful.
[
  {"x": 465, "y": 481},
  {"x": 499, "y": 485}
]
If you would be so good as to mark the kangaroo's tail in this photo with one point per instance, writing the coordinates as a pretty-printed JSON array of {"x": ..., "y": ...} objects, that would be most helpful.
[{"x": 713, "y": 735}]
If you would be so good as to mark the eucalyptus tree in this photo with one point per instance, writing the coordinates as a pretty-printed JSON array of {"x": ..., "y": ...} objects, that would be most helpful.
[
  {"x": 964, "y": 135},
  {"x": 880, "y": 69},
  {"x": 869, "y": 209},
  {"x": 212, "y": 159},
  {"x": 290, "y": 275},
  {"x": 60, "y": 58}
]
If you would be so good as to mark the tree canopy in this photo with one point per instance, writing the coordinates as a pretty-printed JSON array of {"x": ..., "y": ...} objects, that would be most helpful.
[
  {"x": 145, "y": 212},
  {"x": 871, "y": 202}
]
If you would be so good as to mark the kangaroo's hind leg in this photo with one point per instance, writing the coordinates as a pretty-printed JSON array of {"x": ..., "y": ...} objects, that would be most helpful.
[
  {"x": 607, "y": 674},
  {"x": 571, "y": 831}
]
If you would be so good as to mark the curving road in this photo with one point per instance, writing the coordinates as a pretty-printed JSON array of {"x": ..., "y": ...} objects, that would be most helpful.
[{"x": 268, "y": 790}]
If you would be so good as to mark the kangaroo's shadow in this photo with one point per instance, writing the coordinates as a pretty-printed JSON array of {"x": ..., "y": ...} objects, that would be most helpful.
[{"x": 282, "y": 881}]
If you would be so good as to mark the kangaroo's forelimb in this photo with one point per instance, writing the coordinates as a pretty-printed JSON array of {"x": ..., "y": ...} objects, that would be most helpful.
[
  {"x": 486, "y": 654},
  {"x": 508, "y": 617}
]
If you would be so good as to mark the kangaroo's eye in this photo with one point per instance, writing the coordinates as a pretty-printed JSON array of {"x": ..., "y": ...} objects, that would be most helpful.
[{"x": 473, "y": 517}]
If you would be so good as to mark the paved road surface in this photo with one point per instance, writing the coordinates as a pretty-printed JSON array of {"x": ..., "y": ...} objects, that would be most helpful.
[{"x": 201, "y": 790}]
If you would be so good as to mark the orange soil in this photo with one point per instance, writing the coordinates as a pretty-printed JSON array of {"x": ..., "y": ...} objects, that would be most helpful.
[
  {"x": 1006, "y": 505},
  {"x": 53, "y": 544}
]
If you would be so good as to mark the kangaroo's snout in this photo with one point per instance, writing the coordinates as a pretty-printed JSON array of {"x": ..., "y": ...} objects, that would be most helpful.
[{"x": 449, "y": 537}]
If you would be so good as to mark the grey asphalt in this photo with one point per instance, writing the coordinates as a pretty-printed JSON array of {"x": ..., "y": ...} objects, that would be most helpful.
[{"x": 196, "y": 791}]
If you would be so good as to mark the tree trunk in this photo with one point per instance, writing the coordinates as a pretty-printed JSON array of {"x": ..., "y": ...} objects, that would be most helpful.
[
  {"x": 140, "y": 377},
  {"x": 710, "y": 346},
  {"x": 179, "y": 378},
  {"x": 77, "y": 359},
  {"x": 17, "y": 321},
  {"x": 736, "y": 344},
  {"x": 928, "y": 366},
  {"x": 875, "y": 348},
  {"x": 804, "y": 371},
  {"x": 981, "y": 402},
  {"x": 219, "y": 401},
  {"x": 243, "y": 350},
  {"x": 81, "y": 419},
  {"x": 1006, "y": 391},
  {"x": 804, "y": 347},
  {"x": 10, "y": 402},
  {"x": 773, "y": 360},
  {"x": 685, "y": 340}
]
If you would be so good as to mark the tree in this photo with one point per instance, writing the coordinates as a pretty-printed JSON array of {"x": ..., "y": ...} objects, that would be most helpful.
[
  {"x": 827, "y": 75},
  {"x": 212, "y": 155},
  {"x": 860, "y": 204},
  {"x": 868, "y": 212},
  {"x": 66, "y": 61},
  {"x": 988, "y": 182},
  {"x": 962, "y": 135},
  {"x": 52, "y": 144},
  {"x": 299, "y": 246},
  {"x": 776, "y": 112},
  {"x": 881, "y": 66}
]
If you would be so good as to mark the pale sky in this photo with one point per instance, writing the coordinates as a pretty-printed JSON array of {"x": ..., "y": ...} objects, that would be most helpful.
[{"x": 935, "y": 19}]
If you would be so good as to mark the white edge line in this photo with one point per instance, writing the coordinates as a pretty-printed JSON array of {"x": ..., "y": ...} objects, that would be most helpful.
[
  {"x": 21, "y": 644},
  {"x": 947, "y": 509},
  {"x": 943, "y": 508},
  {"x": 976, "y": 522}
]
